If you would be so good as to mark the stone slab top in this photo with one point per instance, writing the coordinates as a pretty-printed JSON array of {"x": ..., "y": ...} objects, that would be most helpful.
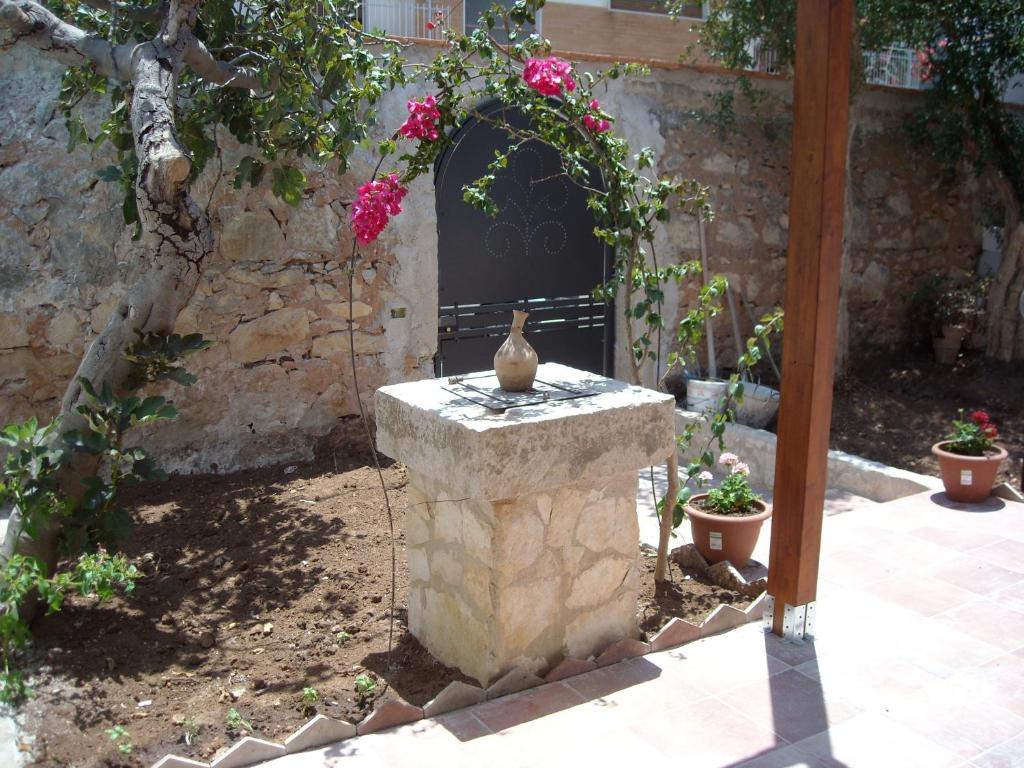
[{"x": 478, "y": 453}]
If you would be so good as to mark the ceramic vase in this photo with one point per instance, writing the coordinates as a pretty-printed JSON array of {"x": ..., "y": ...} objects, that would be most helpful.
[{"x": 515, "y": 362}]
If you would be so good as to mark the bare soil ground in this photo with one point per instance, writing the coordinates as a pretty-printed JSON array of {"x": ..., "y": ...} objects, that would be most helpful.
[
  {"x": 893, "y": 408},
  {"x": 258, "y": 584}
]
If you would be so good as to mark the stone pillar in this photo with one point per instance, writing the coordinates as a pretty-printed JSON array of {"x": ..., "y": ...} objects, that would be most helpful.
[{"x": 521, "y": 527}]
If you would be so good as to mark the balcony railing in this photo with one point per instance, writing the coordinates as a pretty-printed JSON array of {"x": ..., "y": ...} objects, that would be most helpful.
[
  {"x": 410, "y": 19},
  {"x": 897, "y": 67}
]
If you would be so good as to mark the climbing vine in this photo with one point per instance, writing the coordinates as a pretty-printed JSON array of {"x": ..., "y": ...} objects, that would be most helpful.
[{"x": 502, "y": 59}]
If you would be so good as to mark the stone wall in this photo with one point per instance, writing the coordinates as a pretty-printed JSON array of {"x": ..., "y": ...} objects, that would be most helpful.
[{"x": 275, "y": 297}]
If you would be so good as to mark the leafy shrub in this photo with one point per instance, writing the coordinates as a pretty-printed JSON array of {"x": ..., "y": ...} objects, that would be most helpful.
[{"x": 93, "y": 525}]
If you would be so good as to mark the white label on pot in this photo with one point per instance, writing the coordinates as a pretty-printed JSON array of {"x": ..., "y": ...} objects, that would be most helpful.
[
  {"x": 716, "y": 540},
  {"x": 965, "y": 477}
]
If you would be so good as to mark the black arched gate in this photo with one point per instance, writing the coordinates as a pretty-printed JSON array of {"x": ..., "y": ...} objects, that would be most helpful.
[{"x": 539, "y": 254}]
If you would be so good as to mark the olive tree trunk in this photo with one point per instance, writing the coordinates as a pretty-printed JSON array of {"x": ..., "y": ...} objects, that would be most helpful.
[{"x": 1005, "y": 324}]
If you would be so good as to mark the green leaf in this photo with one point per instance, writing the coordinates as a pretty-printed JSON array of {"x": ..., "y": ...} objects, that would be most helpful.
[
  {"x": 148, "y": 408},
  {"x": 289, "y": 184},
  {"x": 90, "y": 442},
  {"x": 110, "y": 173}
]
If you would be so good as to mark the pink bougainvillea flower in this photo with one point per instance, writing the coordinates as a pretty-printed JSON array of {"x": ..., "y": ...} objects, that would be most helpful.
[
  {"x": 596, "y": 124},
  {"x": 376, "y": 202},
  {"x": 549, "y": 76},
  {"x": 728, "y": 459},
  {"x": 421, "y": 123}
]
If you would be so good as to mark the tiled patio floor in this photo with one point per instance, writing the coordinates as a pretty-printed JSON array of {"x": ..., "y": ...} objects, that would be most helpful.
[{"x": 919, "y": 662}]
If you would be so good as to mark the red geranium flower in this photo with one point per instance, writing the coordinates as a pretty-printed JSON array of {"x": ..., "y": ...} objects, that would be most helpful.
[{"x": 980, "y": 418}]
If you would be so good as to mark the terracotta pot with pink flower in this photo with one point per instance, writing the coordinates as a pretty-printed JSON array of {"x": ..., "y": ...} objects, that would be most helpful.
[
  {"x": 726, "y": 521},
  {"x": 969, "y": 459}
]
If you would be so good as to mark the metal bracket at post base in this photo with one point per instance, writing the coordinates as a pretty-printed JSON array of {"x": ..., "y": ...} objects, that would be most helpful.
[{"x": 797, "y": 621}]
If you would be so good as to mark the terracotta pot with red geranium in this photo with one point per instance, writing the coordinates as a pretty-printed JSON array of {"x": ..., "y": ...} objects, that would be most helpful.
[
  {"x": 969, "y": 459},
  {"x": 726, "y": 521}
]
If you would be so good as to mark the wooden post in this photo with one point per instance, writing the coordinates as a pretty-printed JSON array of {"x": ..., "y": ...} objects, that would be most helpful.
[{"x": 821, "y": 99}]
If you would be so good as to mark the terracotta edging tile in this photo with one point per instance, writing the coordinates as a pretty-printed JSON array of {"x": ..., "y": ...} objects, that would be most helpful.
[
  {"x": 455, "y": 695},
  {"x": 570, "y": 668},
  {"x": 722, "y": 618},
  {"x": 513, "y": 682},
  {"x": 388, "y": 715},
  {"x": 173, "y": 761},
  {"x": 317, "y": 732},
  {"x": 755, "y": 611},
  {"x": 248, "y": 751},
  {"x": 676, "y": 632},
  {"x": 627, "y": 648}
]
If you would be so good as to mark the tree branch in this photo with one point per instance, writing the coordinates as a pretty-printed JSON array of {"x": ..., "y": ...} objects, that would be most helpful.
[
  {"x": 34, "y": 25},
  {"x": 164, "y": 167},
  {"x": 202, "y": 62},
  {"x": 152, "y": 14}
]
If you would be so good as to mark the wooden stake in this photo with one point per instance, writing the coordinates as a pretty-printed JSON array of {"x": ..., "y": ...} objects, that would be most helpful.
[{"x": 665, "y": 532}]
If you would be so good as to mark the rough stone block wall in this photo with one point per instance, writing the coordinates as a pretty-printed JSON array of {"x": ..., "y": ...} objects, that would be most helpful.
[
  {"x": 275, "y": 298},
  {"x": 908, "y": 220},
  {"x": 496, "y": 585}
]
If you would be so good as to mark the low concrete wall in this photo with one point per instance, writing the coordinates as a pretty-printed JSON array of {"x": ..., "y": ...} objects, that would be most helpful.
[{"x": 846, "y": 472}]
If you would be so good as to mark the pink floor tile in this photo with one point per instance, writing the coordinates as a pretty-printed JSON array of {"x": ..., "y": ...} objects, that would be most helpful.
[
  {"x": 1012, "y": 596},
  {"x": 922, "y": 596},
  {"x": 854, "y": 567},
  {"x": 618, "y": 677},
  {"x": 463, "y": 725},
  {"x": 960, "y": 538},
  {"x": 873, "y": 741},
  {"x": 868, "y": 684},
  {"x": 636, "y": 702},
  {"x": 790, "y": 704},
  {"x": 997, "y": 683},
  {"x": 942, "y": 714},
  {"x": 975, "y": 574},
  {"x": 792, "y": 653},
  {"x": 906, "y": 552},
  {"x": 939, "y": 648},
  {"x": 1008, "y": 755},
  {"x": 707, "y": 734},
  {"x": 998, "y": 625},
  {"x": 529, "y": 705},
  {"x": 713, "y": 669},
  {"x": 790, "y": 756},
  {"x": 1008, "y": 553}
]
